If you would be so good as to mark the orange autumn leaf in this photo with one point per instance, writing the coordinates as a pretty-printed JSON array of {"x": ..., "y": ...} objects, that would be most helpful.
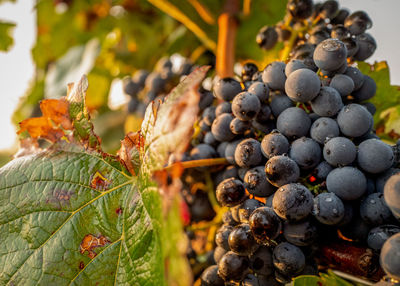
[{"x": 52, "y": 124}]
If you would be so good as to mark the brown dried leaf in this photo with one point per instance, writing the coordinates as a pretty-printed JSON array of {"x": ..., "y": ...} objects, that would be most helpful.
[{"x": 52, "y": 124}]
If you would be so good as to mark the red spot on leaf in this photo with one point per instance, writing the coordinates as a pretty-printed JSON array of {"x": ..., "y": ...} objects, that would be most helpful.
[
  {"x": 81, "y": 265},
  {"x": 89, "y": 242},
  {"x": 99, "y": 182},
  {"x": 118, "y": 211}
]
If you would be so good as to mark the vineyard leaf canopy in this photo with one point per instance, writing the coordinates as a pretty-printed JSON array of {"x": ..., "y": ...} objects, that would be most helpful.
[
  {"x": 73, "y": 215},
  {"x": 386, "y": 100},
  {"x": 6, "y": 40}
]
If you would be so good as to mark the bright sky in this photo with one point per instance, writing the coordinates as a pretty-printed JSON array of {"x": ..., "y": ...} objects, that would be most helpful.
[{"x": 16, "y": 68}]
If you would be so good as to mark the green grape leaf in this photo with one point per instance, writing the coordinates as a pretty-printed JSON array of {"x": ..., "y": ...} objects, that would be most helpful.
[
  {"x": 325, "y": 279},
  {"x": 306, "y": 280},
  {"x": 72, "y": 214},
  {"x": 6, "y": 40},
  {"x": 386, "y": 100}
]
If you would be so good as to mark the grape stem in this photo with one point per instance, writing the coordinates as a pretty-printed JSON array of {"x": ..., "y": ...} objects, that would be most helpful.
[
  {"x": 227, "y": 27},
  {"x": 197, "y": 163}
]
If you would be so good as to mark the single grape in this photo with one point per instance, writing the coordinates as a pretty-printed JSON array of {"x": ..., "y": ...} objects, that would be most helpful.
[
  {"x": 222, "y": 235},
  {"x": 374, "y": 156},
  {"x": 246, "y": 105},
  {"x": 228, "y": 219},
  {"x": 330, "y": 54},
  {"x": 329, "y": 9},
  {"x": 328, "y": 102},
  {"x": 218, "y": 253},
  {"x": 241, "y": 240},
  {"x": 246, "y": 208},
  {"x": 381, "y": 180},
  {"x": 354, "y": 120},
  {"x": 288, "y": 259},
  {"x": 390, "y": 256},
  {"x": 264, "y": 224},
  {"x": 202, "y": 151},
  {"x": 305, "y": 152},
  {"x": 322, "y": 171},
  {"x": 230, "y": 192},
  {"x": 283, "y": 33},
  {"x": 280, "y": 102},
  {"x": 318, "y": 36},
  {"x": 256, "y": 182},
  {"x": 248, "y": 153},
  {"x": 301, "y": 233},
  {"x": 274, "y": 76},
  {"x": 340, "y": 17},
  {"x": 302, "y": 85},
  {"x": 356, "y": 76},
  {"x": 238, "y": 126},
  {"x": 221, "y": 148},
  {"x": 226, "y": 89},
  {"x": 261, "y": 261},
  {"x": 378, "y": 235},
  {"x": 392, "y": 194},
  {"x": 323, "y": 129},
  {"x": 210, "y": 139},
  {"x": 281, "y": 170},
  {"x": 293, "y": 202},
  {"x": 274, "y": 144},
  {"x": 209, "y": 115},
  {"x": 358, "y": 22},
  {"x": 294, "y": 65},
  {"x": 300, "y": 9},
  {"x": 339, "y": 32},
  {"x": 206, "y": 98},
  {"x": 223, "y": 107},
  {"x": 366, "y": 47},
  {"x": 233, "y": 267},
  {"x": 351, "y": 46},
  {"x": 220, "y": 127},
  {"x": 267, "y": 37},
  {"x": 370, "y": 107},
  {"x": 343, "y": 84},
  {"x": 293, "y": 122},
  {"x": 366, "y": 91},
  {"x": 261, "y": 90},
  {"x": 210, "y": 277},
  {"x": 155, "y": 82},
  {"x": 347, "y": 183},
  {"x": 131, "y": 87},
  {"x": 264, "y": 114},
  {"x": 340, "y": 151},
  {"x": 328, "y": 208},
  {"x": 230, "y": 151},
  {"x": 248, "y": 70}
]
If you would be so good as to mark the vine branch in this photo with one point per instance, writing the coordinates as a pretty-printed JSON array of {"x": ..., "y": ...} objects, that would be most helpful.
[{"x": 227, "y": 27}]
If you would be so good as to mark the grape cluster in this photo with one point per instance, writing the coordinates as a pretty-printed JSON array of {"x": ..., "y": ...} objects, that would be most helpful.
[
  {"x": 309, "y": 24},
  {"x": 144, "y": 86},
  {"x": 305, "y": 165}
]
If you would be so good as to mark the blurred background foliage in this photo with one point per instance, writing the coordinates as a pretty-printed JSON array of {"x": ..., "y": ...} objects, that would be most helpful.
[{"x": 111, "y": 39}]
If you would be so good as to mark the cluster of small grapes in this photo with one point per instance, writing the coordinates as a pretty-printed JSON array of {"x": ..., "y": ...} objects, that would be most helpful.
[
  {"x": 144, "y": 86},
  {"x": 311, "y": 24},
  {"x": 305, "y": 163}
]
